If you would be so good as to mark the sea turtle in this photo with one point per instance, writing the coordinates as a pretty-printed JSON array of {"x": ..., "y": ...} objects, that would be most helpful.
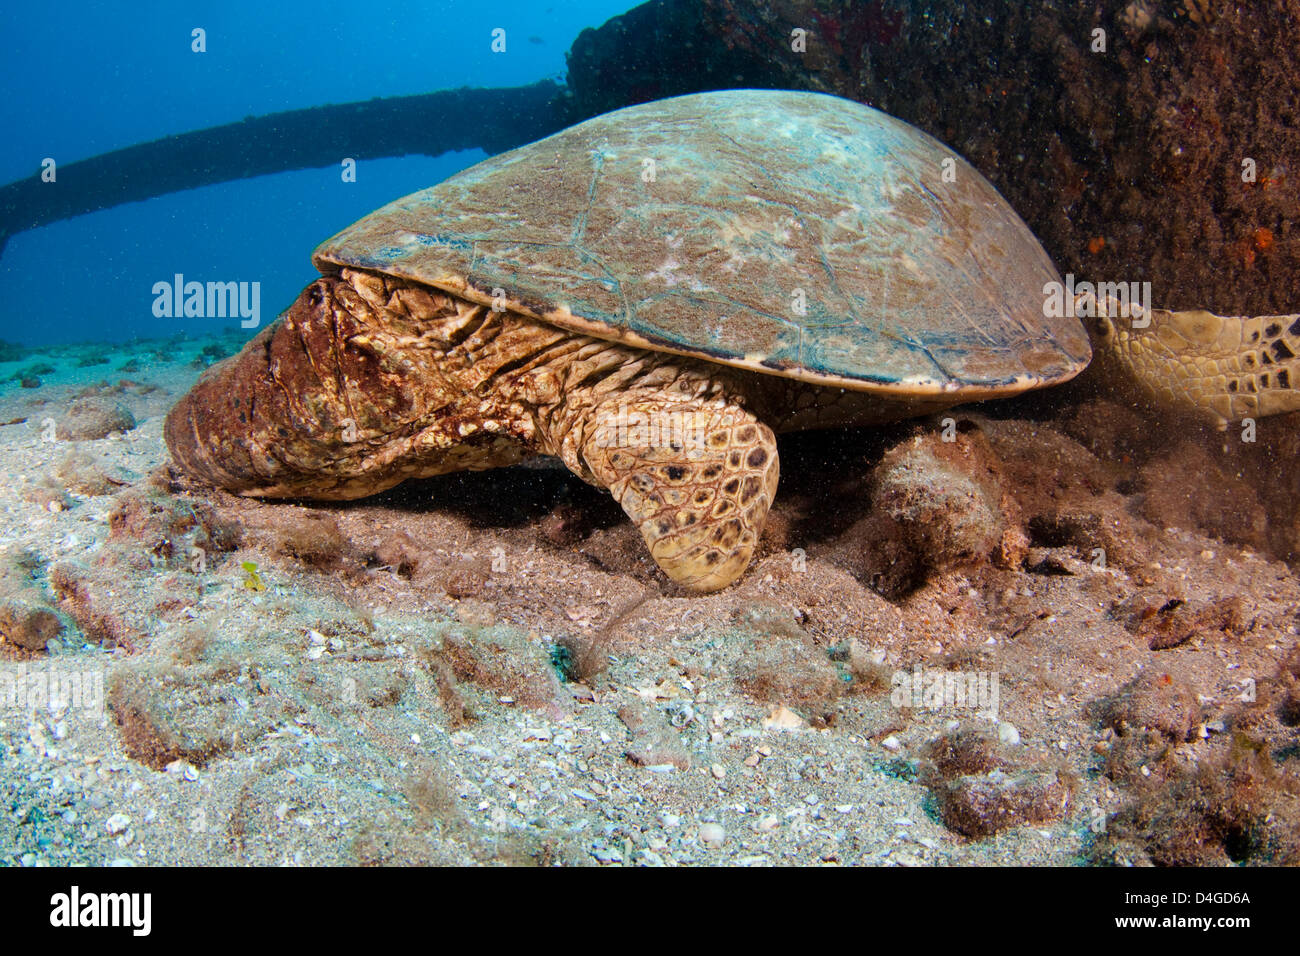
[{"x": 653, "y": 293}]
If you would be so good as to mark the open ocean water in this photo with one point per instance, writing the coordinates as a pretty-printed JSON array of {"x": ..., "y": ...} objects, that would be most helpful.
[{"x": 86, "y": 78}]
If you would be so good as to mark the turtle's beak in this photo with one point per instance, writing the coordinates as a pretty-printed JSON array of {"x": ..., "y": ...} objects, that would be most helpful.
[
  {"x": 268, "y": 421},
  {"x": 207, "y": 431}
]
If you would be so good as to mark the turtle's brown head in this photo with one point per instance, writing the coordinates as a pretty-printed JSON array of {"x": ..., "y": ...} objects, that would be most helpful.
[
  {"x": 302, "y": 409},
  {"x": 365, "y": 381}
]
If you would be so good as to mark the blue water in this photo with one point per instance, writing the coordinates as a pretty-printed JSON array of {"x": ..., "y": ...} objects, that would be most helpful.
[{"x": 83, "y": 78}]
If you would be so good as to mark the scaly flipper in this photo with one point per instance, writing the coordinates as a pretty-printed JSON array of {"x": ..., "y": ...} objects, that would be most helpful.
[
  {"x": 1224, "y": 368},
  {"x": 691, "y": 466}
]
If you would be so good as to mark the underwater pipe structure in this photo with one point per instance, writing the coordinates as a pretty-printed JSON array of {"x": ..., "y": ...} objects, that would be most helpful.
[
  {"x": 430, "y": 124},
  {"x": 650, "y": 52}
]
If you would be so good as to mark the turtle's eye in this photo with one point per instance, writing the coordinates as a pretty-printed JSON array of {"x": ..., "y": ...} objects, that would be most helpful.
[{"x": 1101, "y": 327}]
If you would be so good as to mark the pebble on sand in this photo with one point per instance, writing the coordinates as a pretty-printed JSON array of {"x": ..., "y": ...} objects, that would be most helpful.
[
  {"x": 712, "y": 835},
  {"x": 93, "y": 417}
]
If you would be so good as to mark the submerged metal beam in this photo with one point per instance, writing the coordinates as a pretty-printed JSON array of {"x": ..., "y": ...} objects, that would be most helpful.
[{"x": 428, "y": 124}]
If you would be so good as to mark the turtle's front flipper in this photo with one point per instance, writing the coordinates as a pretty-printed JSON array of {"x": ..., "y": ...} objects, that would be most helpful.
[
  {"x": 1223, "y": 368},
  {"x": 694, "y": 469}
]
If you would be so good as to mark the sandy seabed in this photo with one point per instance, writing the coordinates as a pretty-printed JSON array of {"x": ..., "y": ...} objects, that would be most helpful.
[{"x": 1063, "y": 636}]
